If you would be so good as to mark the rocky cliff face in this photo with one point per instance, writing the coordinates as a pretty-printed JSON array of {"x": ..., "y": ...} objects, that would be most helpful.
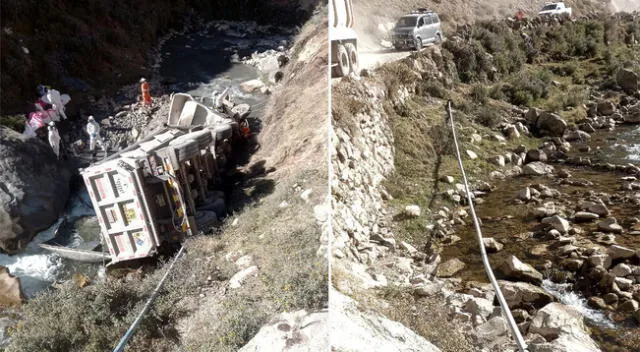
[
  {"x": 34, "y": 188},
  {"x": 93, "y": 50}
]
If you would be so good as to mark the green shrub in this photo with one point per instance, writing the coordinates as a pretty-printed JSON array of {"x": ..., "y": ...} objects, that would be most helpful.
[
  {"x": 432, "y": 88},
  {"x": 15, "y": 122},
  {"x": 496, "y": 92},
  {"x": 488, "y": 116},
  {"x": 479, "y": 93},
  {"x": 526, "y": 87}
]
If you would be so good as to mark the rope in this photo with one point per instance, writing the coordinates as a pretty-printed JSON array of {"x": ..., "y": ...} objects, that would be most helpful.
[
  {"x": 136, "y": 322},
  {"x": 522, "y": 345}
]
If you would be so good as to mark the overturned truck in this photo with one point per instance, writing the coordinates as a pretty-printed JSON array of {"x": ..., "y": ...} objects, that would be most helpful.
[{"x": 157, "y": 191}]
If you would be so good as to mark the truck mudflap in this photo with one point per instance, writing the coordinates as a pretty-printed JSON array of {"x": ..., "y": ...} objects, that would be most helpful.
[{"x": 123, "y": 219}]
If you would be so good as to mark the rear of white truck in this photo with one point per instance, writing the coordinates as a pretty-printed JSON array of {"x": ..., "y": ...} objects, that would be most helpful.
[{"x": 344, "y": 45}]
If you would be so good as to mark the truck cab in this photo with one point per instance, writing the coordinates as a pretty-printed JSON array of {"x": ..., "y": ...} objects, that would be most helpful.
[{"x": 417, "y": 29}]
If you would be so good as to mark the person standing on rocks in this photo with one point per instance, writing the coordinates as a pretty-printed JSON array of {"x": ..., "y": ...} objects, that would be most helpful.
[
  {"x": 54, "y": 139},
  {"x": 146, "y": 95},
  {"x": 93, "y": 129},
  {"x": 54, "y": 97}
]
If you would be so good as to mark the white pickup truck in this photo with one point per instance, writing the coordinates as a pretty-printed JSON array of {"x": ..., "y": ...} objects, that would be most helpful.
[{"x": 555, "y": 9}]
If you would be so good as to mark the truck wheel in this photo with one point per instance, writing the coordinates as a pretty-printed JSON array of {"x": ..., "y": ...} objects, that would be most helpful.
[
  {"x": 352, "y": 52},
  {"x": 205, "y": 220},
  {"x": 418, "y": 43},
  {"x": 342, "y": 70}
]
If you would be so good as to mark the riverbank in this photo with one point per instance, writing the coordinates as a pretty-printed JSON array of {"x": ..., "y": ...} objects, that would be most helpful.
[{"x": 533, "y": 118}]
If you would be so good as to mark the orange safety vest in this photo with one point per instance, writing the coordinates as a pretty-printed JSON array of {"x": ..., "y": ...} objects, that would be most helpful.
[{"x": 146, "y": 95}]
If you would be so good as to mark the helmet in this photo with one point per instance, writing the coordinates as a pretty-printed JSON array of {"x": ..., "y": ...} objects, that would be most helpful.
[
  {"x": 90, "y": 118},
  {"x": 142, "y": 80},
  {"x": 52, "y": 124}
]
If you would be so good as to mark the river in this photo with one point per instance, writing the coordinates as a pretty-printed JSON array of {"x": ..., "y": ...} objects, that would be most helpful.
[{"x": 197, "y": 63}]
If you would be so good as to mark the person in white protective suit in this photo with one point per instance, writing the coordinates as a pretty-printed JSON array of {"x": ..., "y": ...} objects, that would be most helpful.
[
  {"x": 93, "y": 129},
  {"x": 54, "y": 139},
  {"x": 53, "y": 96}
]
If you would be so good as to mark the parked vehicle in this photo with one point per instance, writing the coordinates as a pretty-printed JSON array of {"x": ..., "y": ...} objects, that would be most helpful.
[
  {"x": 555, "y": 9},
  {"x": 157, "y": 191},
  {"x": 344, "y": 41},
  {"x": 417, "y": 29}
]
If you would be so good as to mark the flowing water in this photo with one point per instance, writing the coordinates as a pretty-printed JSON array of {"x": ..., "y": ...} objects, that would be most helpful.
[{"x": 508, "y": 222}]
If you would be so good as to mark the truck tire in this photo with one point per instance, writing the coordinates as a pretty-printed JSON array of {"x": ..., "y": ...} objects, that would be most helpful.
[
  {"x": 342, "y": 70},
  {"x": 186, "y": 149},
  {"x": 352, "y": 52}
]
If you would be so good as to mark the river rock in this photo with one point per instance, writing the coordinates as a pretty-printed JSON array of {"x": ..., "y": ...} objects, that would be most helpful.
[
  {"x": 597, "y": 302},
  {"x": 295, "y": 331},
  {"x": 412, "y": 211},
  {"x": 537, "y": 168},
  {"x": 623, "y": 283},
  {"x": 585, "y": 216},
  {"x": 600, "y": 259},
  {"x": 497, "y": 160},
  {"x": 552, "y": 125},
  {"x": 630, "y": 305},
  {"x": 538, "y": 250},
  {"x": 514, "y": 269},
  {"x": 10, "y": 289},
  {"x": 577, "y": 135},
  {"x": 610, "y": 225},
  {"x": 535, "y": 155},
  {"x": 34, "y": 188},
  {"x": 251, "y": 85},
  {"x": 524, "y": 295},
  {"x": 450, "y": 267},
  {"x": 606, "y": 108},
  {"x": 621, "y": 270},
  {"x": 620, "y": 252},
  {"x": 511, "y": 132},
  {"x": 555, "y": 319},
  {"x": 492, "y": 245},
  {"x": 597, "y": 207},
  {"x": 558, "y": 223},
  {"x": 525, "y": 194},
  {"x": 471, "y": 154},
  {"x": 627, "y": 80}
]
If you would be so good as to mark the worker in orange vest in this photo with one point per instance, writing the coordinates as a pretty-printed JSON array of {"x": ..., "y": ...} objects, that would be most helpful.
[{"x": 146, "y": 95}]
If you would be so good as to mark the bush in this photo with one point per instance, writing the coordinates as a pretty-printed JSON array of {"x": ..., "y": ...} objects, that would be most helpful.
[
  {"x": 527, "y": 87},
  {"x": 432, "y": 88},
  {"x": 15, "y": 122},
  {"x": 479, "y": 93},
  {"x": 488, "y": 116}
]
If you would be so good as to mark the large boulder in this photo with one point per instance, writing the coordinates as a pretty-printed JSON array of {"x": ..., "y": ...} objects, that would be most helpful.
[
  {"x": 353, "y": 328},
  {"x": 10, "y": 289},
  {"x": 552, "y": 125},
  {"x": 296, "y": 331},
  {"x": 34, "y": 187},
  {"x": 537, "y": 168},
  {"x": 514, "y": 269},
  {"x": 524, "y": 295},
  {"x": 565, "y": 326},
  {"x": 627, "y": 80}
]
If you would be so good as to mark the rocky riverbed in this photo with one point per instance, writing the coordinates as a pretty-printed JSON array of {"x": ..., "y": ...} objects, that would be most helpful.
[{"x": 566, "y": 214}]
